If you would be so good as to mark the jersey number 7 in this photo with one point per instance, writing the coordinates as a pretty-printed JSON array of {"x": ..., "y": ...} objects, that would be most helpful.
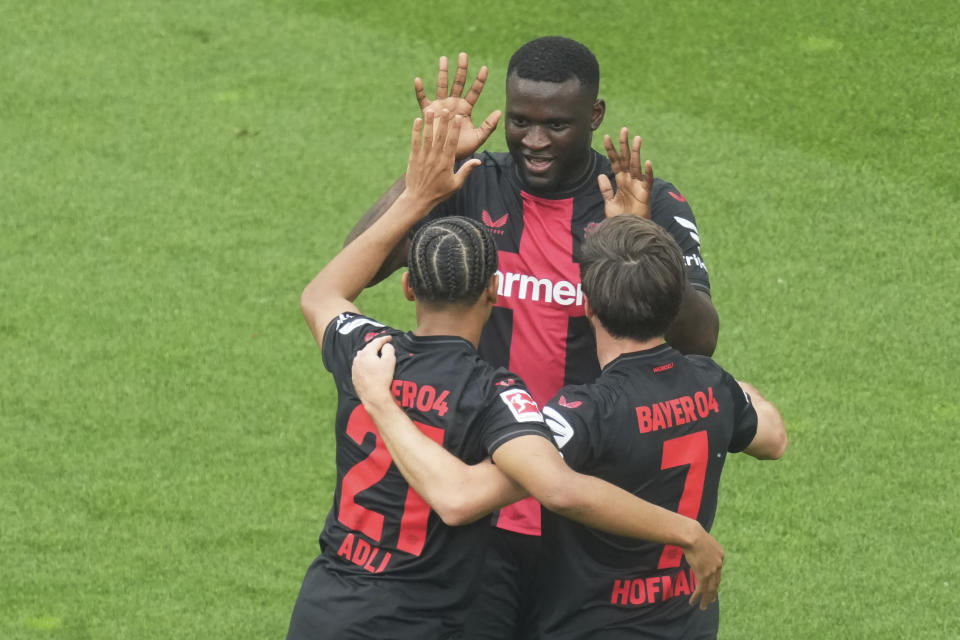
[
  {"x": 370, "y": 471},
  {"x": 691, "y": 449}
]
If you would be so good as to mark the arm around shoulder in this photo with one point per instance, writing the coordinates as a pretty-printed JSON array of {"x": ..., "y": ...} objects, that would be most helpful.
[{"x": 459, "y": 493}]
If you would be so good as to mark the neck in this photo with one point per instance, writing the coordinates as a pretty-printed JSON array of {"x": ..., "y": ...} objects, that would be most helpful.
[
  {"x": 463, "y": 322},
  {"x": 610, "y": 348}
]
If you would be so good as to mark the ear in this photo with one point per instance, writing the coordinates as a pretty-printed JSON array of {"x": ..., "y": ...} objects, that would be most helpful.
[
  {"x": 492, "y": 288},
  {"x": 407, "y": 289},
  {"x": 596, "y": 115}
]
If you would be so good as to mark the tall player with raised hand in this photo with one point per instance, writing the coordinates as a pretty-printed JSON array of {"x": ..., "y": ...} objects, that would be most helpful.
[{"x": 539, "y": 200}]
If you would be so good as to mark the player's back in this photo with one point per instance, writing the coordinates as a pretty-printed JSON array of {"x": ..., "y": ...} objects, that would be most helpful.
[
  {"x": 658, "y": 424},
  {"x": 389, "y": 566}
]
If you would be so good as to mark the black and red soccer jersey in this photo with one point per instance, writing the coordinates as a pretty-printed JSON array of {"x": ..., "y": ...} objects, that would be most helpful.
[
  {"x": 389, "y": 566},
  {"x": 538, "y": 328},
  {"x": 660, "y": 425}
]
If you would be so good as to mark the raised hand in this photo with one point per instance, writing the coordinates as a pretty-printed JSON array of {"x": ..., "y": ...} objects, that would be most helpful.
[
  {"x": 372, "y": 370},
  {"x": 450, "y": 99},
  {"x": 430, "y": 177},
  {"x": 634, "y": 182}
]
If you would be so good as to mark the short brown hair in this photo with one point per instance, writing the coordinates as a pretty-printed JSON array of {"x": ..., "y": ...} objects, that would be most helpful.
[{"x": 631, "y": 271}]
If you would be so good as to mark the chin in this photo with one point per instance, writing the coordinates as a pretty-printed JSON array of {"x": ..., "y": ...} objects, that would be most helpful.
[{"x": 541, "y": 182}]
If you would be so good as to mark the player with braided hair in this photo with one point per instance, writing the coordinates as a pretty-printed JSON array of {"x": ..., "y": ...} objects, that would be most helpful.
[
  {"x": 392, "y": 563},
  {"x": 462, "y": 249}
]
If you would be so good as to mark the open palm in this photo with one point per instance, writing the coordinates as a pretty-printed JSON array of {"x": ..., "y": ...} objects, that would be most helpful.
[
  {"x": 452, "y": 100},
  {"x": 634, "y": 182}
]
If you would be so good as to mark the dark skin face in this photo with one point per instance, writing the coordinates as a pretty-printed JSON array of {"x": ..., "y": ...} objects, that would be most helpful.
[{"x": 549, "y": 128}]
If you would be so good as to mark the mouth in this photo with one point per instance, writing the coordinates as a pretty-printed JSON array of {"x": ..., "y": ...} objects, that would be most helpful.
[{"x": 537, "y": 165}]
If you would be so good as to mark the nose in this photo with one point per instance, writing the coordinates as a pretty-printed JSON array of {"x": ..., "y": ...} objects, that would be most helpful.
[{"x": 536, "y": 138}]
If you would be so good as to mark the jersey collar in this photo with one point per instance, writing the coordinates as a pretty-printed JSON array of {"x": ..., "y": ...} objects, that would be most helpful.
[{"x": 661, "y": 353}]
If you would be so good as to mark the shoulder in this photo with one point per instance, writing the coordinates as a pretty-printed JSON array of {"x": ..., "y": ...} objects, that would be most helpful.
[
  {"x": 579, "y": 402},
  {"x": 703, "y": 365},
  {"x": 507, "y": 388},
  {"x": 667, "y": 199},
  {"x": 349, "y": 322},
  {"x": 601, "y": 164},
  {"x": 346, "y": 334},
  {"x": 487, "y": 388},
  {"x": 708, "y": 372}
]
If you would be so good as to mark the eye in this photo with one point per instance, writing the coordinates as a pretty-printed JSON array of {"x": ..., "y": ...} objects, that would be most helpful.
[
  {"x": 518, "y": 122},
  {"x": 558, "y": 126}
]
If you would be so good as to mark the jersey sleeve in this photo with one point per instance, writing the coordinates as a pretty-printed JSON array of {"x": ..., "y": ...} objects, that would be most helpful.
[
  {"x": 572, "y": 418},
  {"x": 669, "y": 209},
  {"x": 346, "y": 334},
  {"x": 510, "y": 412},
  {"x": 744, "y": 416}
]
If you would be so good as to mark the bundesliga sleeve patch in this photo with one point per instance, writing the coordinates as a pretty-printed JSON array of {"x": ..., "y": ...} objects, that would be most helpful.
[{"x": 521, "y": 405}]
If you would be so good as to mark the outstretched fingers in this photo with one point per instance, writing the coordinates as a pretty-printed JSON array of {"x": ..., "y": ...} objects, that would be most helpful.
[
  {"x": 461, "y": 175},
  {"x": 487, "y": 127},
  {"x": 460, "y": 79},
  {"x": 442, "y": 78},
  {"x": 636, "y": 164},
  {"x": 619, "y": 160},
  {"x": 611, "y": 153},
  {"x": 453, "y": 135},
  {"x": 606, "y": 189},
  {"x": 624, "y": 147},
  {"x": 474, "y": 94},
  {"x": 420, "y": 93},
  {"x": 416, "y": 134},
  {"x": 428, "y": 130},
  {"x": 441, "y": 130}
]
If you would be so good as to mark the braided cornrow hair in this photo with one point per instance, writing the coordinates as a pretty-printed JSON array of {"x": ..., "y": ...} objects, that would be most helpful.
[{"x": 451, "y": 260}]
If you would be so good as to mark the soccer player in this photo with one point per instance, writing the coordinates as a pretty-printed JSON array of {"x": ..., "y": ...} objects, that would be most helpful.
[
  {"x": 390, "y": 567},
  {"x": 656, "y": 423},
  {"x": 539, "y": 200}
]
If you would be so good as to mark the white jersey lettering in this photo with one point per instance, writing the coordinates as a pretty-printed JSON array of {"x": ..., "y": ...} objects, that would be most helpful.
[{"x": 526, "y": 287}]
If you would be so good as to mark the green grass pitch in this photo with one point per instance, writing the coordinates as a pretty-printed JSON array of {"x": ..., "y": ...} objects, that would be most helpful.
[{"x": 173, "y": 173}]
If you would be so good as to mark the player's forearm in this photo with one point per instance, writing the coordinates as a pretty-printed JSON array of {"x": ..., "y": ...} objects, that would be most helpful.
[
  {"x": 537, "y": 466},
  {"x": 770, "y": 442},
  {"x": 697, "y": 325},
  {"x": 398, "y": 255},
  {"x": 376, "y": 212},
  {"x": 458, "y": 492},
  {"x": 601, "y": 505}
]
